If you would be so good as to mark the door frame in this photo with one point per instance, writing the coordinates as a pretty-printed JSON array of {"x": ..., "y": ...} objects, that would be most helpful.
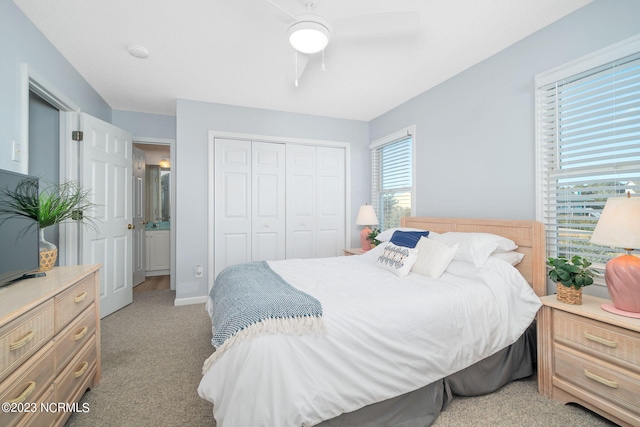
[
  {"x": 32, "y": 81},
  {"x": 213, "y": 134},
  {"x": 172, "y": 211}
]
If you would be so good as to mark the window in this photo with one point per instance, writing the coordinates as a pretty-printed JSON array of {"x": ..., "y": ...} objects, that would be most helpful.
[
  {"x": 588, "y": 150},
  {"x": 392, "y": 177}
]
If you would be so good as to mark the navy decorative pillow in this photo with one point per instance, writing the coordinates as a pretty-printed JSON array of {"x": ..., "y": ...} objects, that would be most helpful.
[{"x": 408, "y": 239}]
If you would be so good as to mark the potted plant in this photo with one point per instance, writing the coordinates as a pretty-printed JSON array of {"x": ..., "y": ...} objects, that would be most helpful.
[
  {"x": 52, "y": 205},
  {"x": 570, "y": 275},
  {"x": 372, "y": 237}
]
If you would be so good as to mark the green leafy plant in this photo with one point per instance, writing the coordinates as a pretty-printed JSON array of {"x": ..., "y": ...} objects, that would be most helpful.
[
  {"x": 574, "y": 272},
  {"x": 52, "y": 205},
  {"x": 372, "y": 236}
]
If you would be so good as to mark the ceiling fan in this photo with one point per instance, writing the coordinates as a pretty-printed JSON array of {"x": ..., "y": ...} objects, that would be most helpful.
[{"x": 310, "y": 33}]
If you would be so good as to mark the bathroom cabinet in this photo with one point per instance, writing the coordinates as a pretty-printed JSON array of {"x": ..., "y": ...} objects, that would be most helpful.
[{"x": 158, "y": 250}]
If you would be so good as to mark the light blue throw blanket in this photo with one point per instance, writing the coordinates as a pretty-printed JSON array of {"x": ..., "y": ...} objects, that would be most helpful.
[{"x": 251, "y": 299}]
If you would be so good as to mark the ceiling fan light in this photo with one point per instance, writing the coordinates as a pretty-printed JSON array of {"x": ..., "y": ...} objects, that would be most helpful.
[{"x": 308, "y": 36}]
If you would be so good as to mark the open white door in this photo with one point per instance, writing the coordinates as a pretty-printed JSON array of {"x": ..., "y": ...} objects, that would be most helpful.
[
  {"x": 106, "y": 153},
  {"x": 139, "y": 238}
]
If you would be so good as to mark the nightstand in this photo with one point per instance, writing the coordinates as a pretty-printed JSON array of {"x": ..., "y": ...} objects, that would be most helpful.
[
  {"x": 590, "y": 357},
  {"x": 353, "y": 251}
]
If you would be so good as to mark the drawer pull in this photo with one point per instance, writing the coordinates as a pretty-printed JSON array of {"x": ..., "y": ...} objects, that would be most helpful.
[
  {"x": 80, "y": 334},
  {"x": 81, "y": 371},
  {"x": 600, "y": 340},
  {"x": 601, "y": 380},
  {"x": 21, "y": 342},
  {"x": 80, "y": 297},
  {"x": 27, "y": 391}
]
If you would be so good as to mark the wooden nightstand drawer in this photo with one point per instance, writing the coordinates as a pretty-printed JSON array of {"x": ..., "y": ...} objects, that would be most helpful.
[
  {"x": 617, "y": 343},
  {"x": 597, "y": 379},
  {"x": 74, "y": 336},
  {"x": 21, "y": 338},
  {"x": 73, "y": 301}
]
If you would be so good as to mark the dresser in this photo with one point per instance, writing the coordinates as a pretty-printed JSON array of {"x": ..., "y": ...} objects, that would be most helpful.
[
  {"x": 49, "y": 345},
  {"x": 590, "y": 357}
]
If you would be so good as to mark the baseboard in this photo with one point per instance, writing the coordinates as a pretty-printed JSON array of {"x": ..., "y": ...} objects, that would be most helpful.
[{"x": 189, "y": 301}]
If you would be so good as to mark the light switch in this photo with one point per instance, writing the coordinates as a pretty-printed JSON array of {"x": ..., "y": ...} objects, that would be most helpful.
[{"x": 16, "y": 154}]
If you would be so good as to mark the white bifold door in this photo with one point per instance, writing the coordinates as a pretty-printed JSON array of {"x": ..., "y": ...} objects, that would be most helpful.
[{"x": 277, "y": 200}]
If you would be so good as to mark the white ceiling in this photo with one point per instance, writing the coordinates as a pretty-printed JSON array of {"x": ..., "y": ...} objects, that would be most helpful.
[{"x": 235, "y": 51}]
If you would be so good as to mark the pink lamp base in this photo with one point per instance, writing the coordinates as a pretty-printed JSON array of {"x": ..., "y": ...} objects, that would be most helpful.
[
  {"x": 364, "y": 239},
  {"x": 611, "y": 309}
]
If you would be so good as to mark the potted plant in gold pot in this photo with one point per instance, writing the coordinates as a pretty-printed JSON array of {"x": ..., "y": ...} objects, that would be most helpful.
[
  {"x": 570, "y": 275},
  {"x": 52, "y": 205}
]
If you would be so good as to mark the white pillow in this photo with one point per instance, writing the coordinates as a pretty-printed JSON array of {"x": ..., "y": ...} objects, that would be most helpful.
[
  {"x": 433, "y": 257},
  {"x": 385, "y": 236},
  {"x": 512, "y": 257},
  {"x": 476, "y": 247},
  {"x": 398, "y": 259}
]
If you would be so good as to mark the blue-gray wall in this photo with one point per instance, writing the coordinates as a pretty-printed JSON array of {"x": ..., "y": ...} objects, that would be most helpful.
[
  {"x": 22, "y": 43},
  {"x": 194, "y": 121},
  {"x": 475, "y": 132},
  {"x": 145, "y": 125}
]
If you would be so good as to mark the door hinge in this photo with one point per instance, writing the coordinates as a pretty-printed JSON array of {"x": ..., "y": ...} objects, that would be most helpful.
[
  {"x": 77, "y": 215},
  {"x": 77, "y": 135}
]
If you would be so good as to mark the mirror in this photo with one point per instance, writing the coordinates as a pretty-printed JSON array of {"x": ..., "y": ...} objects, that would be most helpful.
[{"x": 158, "y": 183}]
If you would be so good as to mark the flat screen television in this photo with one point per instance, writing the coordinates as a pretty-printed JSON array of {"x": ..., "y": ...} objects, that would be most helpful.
[{"x": 19, "y": 254}]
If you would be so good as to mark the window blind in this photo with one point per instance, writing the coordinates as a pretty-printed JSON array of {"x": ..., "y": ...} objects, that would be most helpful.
[
  {"x": 590, "y": 134},
  {"x": 392, "y": 181}
]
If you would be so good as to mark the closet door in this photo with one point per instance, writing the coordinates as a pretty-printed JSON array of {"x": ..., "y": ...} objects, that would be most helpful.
[
  {"x": 301, "y": 201},
  {"x": 330, "y": 199},
  {"x": 268, "y": 201},
  {"x": 232, "y": 232}
]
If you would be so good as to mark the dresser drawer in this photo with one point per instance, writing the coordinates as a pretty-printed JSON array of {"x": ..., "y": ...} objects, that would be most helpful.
[
  {"x": 621, "y": 345},
  {"x": 74, "y": 336},
  {"x": 597, "y": 378},
  {"x": 42, "y": 418},
  {"x": 77, "y": 371},
  {"x": 26, "y": 384},
  {"x": 23, "y": 336},
  {"x": 74, "y": 301}
]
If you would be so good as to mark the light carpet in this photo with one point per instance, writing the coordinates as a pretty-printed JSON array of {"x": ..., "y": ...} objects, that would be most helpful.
[{"x": 152, "y": 355}]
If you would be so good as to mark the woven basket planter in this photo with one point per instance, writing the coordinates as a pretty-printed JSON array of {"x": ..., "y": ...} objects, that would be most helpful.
[
  {"x": 48, "y": 259},
  {"x": 569, "y": 295}
]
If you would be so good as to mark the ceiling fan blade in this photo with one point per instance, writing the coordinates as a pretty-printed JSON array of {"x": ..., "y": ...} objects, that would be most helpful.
[
  {"x": 302, "y": 59},
  {"x": 288, "y": 16},
  {"x": 377, "y": 24}
]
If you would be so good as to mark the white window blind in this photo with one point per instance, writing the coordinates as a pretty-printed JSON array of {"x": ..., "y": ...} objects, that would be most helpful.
[
  {"x": 589, "y": 129},
  {"x": 392, "y": 180}
]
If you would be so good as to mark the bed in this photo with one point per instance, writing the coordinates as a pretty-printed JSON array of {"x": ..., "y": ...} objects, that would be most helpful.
[{"x": 388, "y": 350}]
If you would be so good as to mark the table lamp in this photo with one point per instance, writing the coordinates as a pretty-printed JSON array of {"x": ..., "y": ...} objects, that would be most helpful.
[
  {"x": 366, "y": 216},
  {"x": 619, "y": 226}
]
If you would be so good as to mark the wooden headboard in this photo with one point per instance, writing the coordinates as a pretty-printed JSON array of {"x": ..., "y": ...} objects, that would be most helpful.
[{"x": 528, "y": 235}]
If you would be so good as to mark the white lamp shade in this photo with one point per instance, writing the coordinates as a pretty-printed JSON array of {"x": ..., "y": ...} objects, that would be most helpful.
[
  {"x": 366, "y": 216},
  {"x": 619, "y": 224},
  {"x": 309, "y": 34}
]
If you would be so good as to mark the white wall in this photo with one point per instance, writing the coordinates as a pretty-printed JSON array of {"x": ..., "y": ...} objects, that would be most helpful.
[{"x": 194, "y": 120}]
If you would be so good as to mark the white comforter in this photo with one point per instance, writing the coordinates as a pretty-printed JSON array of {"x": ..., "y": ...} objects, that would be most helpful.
[{"x": 386, "y": 336}]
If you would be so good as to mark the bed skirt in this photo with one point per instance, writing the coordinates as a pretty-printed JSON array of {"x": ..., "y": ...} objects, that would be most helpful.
[{"x": 421, "y": 407}]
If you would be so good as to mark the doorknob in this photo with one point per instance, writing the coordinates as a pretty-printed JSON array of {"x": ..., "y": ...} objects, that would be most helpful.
[{"x": 131, "y": 226}]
